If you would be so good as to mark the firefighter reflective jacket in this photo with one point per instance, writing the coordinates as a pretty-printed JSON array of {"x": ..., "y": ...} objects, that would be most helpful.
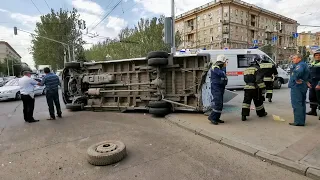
[
  {"x": 315, "y": 73},
  {"x": 268, "y": 69},
  {"x": 253, "y": 78}
]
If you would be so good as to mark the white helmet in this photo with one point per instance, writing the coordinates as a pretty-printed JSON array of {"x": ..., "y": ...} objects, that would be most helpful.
[{"x": 221, "y": 58}]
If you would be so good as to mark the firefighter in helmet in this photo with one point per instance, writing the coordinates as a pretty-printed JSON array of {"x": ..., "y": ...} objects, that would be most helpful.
[
  {"x": 253, "y": 90},
  {"x": 269, "y": 70},
  {"x": 219, "y": 81}
]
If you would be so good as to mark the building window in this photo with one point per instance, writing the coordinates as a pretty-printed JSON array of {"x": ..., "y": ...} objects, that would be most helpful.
[
  {"x": 241, "y": 13},
  {"x": 225, "y": 14},
  {"x": 198, "y": 18},
  {"x": 219, "y": 29},
  {"x": 219, "y": 20},
  {"x": 236, "y": 12},
  {"x": 204, "y": 40},
  {"x": 205, "y": 32},
  {"x": 204, "y": 24},
  {"x": 211, "y": 30},
  {"x": 241, "y": 21},
  {"x": 204, "y": 17}
]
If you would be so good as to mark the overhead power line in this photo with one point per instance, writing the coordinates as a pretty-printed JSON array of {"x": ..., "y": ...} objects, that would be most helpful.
[
  {"x": 100, "y": 15},
  {"x": 114, "y": 7},
  {"x": 47, "y": 4},
  {"x": 35, "y": 6}
]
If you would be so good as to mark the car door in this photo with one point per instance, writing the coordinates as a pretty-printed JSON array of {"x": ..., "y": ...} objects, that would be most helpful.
[{"x": 38, "y": 89}]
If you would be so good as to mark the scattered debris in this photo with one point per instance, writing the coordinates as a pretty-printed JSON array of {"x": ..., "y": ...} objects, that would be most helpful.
[{"x": 278, "y": 118}]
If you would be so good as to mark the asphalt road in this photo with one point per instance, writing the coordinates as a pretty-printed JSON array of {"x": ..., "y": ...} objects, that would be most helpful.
[{"x": 156, "y": 149}]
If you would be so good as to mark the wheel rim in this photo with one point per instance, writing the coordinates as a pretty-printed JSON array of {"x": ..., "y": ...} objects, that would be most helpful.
[
  {"x": 107, "y": 147},
  {"x": 279, "y": 83},
  {"x": 18, "y": 96}
]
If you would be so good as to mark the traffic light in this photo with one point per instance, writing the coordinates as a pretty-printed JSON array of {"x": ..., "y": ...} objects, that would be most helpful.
[{"x": 15, "y": 30}]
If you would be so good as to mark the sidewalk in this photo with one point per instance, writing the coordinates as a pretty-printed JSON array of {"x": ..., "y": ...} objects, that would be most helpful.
[{"x": 294, "y": 148}]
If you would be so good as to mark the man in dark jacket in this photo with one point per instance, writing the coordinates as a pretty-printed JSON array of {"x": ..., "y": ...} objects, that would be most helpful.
[
  {"x": 219, "y": 81},
  {"x": 314, "y": 92},
  {"x": 52, "y": 82}
]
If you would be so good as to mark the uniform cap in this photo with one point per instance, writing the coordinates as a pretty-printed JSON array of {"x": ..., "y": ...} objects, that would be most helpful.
[
  {"x": 221, "y": 58},
  {"x": 316, "y": 52}
]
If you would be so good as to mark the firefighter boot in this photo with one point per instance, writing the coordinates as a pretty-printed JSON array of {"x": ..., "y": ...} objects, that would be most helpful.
[
  {"x": 270, "y": 100},
  {"x": 313, "y": 112},
  {"x": 244, "y": 118}
]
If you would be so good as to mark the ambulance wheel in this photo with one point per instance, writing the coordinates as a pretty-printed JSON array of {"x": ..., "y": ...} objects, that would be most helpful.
[{"x": 277, "y": 84}]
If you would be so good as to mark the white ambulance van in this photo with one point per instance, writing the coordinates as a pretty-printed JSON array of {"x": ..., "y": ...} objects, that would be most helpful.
[{"x": 238, "y": 61}]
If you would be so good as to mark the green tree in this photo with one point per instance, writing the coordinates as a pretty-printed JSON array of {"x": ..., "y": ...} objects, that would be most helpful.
[
  {"x": 133, "y": 42},
  {"x": 268, "y": 49},
  {"x": 305, "y": 54},
  {"x": 60, "y": 26}
]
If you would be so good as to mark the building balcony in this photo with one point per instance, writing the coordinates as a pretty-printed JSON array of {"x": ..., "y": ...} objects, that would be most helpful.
[{"x": 226, "y": 31}]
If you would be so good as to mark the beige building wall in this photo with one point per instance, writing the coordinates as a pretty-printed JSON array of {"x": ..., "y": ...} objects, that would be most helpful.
[
  {"x": 235, "y": 24},
  {"x": 6, "y": 51},
  {"x": 309, "y": 39}
]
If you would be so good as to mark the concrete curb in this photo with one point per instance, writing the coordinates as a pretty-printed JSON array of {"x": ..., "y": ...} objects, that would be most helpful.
[
  {"x": 313, "y": 173},
  {"x": 279, "y": 161}
]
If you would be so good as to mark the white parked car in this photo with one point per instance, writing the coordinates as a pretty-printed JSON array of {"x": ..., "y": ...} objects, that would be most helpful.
[{"x": 11, "y": 90}]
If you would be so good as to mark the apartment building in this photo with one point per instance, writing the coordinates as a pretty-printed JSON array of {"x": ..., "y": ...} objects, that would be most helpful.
[
  {"x": 235, "y": 24},
  {"x": 309, "y": 39},
  {"x": 6, "y": 51}
]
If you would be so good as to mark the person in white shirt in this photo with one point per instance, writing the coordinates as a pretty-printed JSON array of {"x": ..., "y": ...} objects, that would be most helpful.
[{"x": 27, "y": 95}]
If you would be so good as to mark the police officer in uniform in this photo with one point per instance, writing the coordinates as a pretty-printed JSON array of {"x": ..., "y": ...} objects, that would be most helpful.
[
  {"x": 298, "y": 84},
  {"x": 314, "y": 93},
  {"x": 269, "y": 70},
  {"x": 253, "y": 77},
  {"x": 219, "y": 81}
]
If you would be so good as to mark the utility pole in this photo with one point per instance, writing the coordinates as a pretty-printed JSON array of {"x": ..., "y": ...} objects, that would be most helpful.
[
  {"x": 173, "y": 46},
  {"x": 12, "y": 67},
  {"x": 8, "y": 67},
  {"x": 74, "y": 59}
]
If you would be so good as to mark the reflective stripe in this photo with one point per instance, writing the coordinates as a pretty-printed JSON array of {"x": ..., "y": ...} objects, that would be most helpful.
[
  {"x": 224, "y": 78},
  {"x": 314, "y": 103},
  {"x": 261, "y": 85},
  {"x": 214, "y": 66},
  {"x": 315, "y": 63},
  {"x": 267, "y": 79},
  {"x": 265, "y": 65},
  {"x": 270, "y": 91},
  {"x": 249, "y": 87},
  {"x": 259, "y": 108},
  {"x": 249, "y": 71},
  {"x": 246, "y": 106},
  {"x": 216, "y": 111}
]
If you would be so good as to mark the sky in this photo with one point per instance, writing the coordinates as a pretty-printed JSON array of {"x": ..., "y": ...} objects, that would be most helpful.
[{"x": 25, "y": 13}]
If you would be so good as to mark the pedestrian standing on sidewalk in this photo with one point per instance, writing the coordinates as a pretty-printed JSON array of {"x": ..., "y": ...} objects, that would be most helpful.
[
  {"x": 314, "y": 85},
  {"x": 253, "y": 77},
  {"x": 52, "y": 83},
  {"x": 219, "y": 81},
  {"x": 298, "y": 83},
  {"x": 27, "y": 96}
]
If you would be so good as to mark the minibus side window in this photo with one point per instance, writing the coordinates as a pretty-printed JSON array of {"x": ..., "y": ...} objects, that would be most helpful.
[{"x": 245, "y": 59}]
